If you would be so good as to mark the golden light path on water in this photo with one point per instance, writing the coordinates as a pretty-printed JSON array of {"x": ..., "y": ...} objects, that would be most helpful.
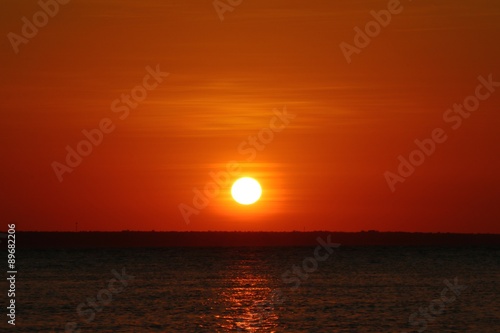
[{"x": 245, "y": 304}]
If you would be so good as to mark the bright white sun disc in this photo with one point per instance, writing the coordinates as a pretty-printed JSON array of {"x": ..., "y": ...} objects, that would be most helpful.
[{"x": 246, "y": 191}]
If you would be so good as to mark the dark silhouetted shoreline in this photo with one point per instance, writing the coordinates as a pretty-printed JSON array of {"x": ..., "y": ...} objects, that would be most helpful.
[{"x": 140, "y": 239}]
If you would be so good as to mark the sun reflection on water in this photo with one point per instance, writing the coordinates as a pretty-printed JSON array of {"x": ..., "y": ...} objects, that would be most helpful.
[{"x": 247, "y": 300}]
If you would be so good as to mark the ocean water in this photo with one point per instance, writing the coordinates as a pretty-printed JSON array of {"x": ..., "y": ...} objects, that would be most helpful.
[{"x": 352, "y": 289}]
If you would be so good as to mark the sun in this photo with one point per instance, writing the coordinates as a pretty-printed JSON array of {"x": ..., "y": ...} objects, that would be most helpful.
[{"x": 246, "y": 191}]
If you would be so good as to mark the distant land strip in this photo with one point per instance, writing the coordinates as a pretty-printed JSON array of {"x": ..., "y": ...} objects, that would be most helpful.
[{"x": 158, "y": 239}]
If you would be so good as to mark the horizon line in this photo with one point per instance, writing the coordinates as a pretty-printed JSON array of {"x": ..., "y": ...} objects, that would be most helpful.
[{"x": 248, "y": 231}]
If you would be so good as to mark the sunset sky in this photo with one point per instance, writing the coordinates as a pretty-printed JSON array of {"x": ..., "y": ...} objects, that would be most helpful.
[{"x": 325, "y": 169}]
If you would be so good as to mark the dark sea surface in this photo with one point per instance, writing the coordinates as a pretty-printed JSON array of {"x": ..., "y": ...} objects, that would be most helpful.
[{"x": 352, "y": 289}]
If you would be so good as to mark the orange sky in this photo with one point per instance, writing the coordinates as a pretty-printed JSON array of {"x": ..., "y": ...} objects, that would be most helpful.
[{"x": 323, "y": 171}]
